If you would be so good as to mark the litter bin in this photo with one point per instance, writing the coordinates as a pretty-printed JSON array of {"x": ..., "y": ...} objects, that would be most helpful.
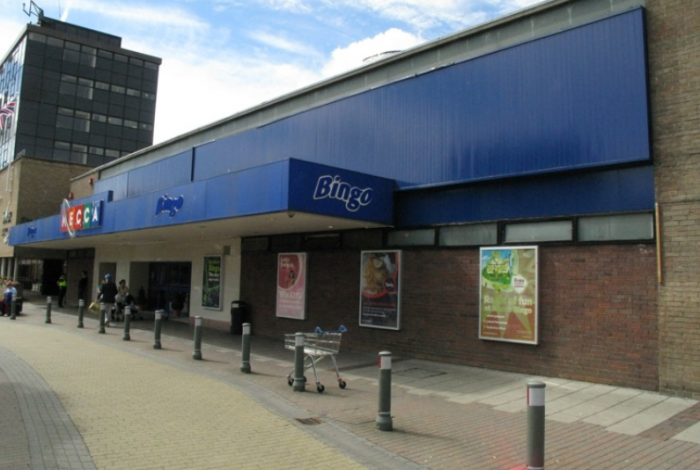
[{"x": 238, "y": 314}]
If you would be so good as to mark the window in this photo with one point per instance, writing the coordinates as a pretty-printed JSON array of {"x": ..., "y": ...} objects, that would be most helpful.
[
  {"x": 114, "y": 120},
  {"x": 132, "y": 92},
  {"x": 118, "y": 89},
  {"x": 553, "y": 231},
  {"x": 102, "y": 86},
  {"x": 616, "y": 227},
  {"x": 469, "y": 235},
  {"x": 411, "y": 237},
  {"x": 99, "y": 117},
  {"x": 112, "y": 153}
]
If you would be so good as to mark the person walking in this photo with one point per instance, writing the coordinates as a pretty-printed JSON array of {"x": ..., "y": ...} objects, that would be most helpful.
[
  {"x": 62, "y": 289},
  {"x": 109, "y": 294},
  {"x": 82, "y": 286}
]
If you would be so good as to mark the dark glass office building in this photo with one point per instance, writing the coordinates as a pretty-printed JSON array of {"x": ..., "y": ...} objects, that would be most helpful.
[{"x": 74, "y": 95}]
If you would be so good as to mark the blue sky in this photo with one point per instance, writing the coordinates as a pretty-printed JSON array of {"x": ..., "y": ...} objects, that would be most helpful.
[{"x": 223, "y": 56}]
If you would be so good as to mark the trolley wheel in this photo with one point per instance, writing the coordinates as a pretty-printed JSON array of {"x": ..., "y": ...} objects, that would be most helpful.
[
  {"x": 342, "y": 384},
  {"x": 290, "y": 381},
  {"x": 320, "y": 388}
]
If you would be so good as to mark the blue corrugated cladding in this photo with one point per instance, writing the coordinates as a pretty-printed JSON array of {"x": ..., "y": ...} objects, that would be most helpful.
[
  {"x": 573, "y": 100},
  {"x": 615, "y": 190}
]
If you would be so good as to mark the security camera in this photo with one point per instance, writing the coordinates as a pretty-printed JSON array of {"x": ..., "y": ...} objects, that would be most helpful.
[{"x": 290, "y": 214}]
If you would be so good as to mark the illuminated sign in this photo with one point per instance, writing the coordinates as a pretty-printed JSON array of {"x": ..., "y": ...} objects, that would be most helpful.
[{"x": 81, "y": 217}]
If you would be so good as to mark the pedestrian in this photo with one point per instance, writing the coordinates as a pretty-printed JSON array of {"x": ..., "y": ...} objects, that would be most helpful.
[
  {"x": 82, "y": 286},
  {"x": 109, "y": 295},
  {"x": 62, "y": 288},
  {"x": 121, "y": 299}
]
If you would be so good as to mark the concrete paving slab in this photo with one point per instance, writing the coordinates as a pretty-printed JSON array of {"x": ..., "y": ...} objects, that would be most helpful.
[{"x": 692, "y": 434}]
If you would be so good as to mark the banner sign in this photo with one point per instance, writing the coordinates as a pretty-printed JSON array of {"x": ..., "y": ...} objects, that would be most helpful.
[
  {"x": 380, "y": 289},
  {"x": 211, "y": 282},
  {"x": 291, "y": 285},
  {"x": 508, "y": 294}
]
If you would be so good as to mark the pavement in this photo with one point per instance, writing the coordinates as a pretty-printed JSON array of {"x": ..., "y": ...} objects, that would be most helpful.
[{"x": 72, "y": 398}]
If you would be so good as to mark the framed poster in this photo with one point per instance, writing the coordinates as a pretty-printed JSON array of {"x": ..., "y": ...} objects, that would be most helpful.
[
  {"x": 380, "y": 293},
  {"x": 291, "y": 285},
  {"x": 508, "y": 283},
  {"x": 211, "y": 282}
]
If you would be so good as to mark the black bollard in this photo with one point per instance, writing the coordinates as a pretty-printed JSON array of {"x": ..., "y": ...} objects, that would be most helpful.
[
  {"x": 127, "y": 324},
  {"x": 13, "y": 309},
  {"x": 156, "y": 328},
  {"x": 102, "y": 318},
  {"x": 81, "y": 312},
  {"x": 245, "y": 349},
  {"x": 48, "y": 309},
  {"x": 535, "y": 425},
  {"x": 299, "y": 379},
  {"x": 384, "y": 421},
  {"x": 197, "y": 339}
]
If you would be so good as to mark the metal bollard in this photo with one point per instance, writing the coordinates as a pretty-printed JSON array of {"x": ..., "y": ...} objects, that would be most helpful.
[
  {"x": 245, "y": 349},
  {"x": 48, "y": 309},
  {"x": 13, "y": 309},
  {"x": 103, "y": 308},
  {"x": 127, "y": 324},
  {"x": 535, "y": 425},
  {"x": 299, "y": 379},
  {"x": 384, "y": 421},
  {"x": 81, "y": 312},
  {"x": 156, "y": 328},
  {"x": 197, "y": 338}
]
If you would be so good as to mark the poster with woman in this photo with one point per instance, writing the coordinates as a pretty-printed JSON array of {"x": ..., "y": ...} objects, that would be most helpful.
[
  {"x": 508, "y": 294},
  {"x": 379, "y": 289},
  {"x": 211, "y": 282},
  {"x": 291, "y": 285}
]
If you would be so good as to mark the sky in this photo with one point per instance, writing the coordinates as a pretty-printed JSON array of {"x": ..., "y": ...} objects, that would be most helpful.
[{"x": 221, "y": 57}]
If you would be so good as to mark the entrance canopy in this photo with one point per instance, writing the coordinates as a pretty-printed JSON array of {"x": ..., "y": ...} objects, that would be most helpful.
[{"x": 282, "y": 197}]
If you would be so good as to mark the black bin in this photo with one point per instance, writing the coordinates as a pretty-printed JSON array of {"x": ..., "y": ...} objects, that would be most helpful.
[{"x": 238, "y": 316}]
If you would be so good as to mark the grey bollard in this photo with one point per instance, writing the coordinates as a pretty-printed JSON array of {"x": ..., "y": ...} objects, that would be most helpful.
[
  {"x": 384, "y": 421},
  {"x": 535, "y": 425},
  {"x": 13, "y": 309},
  {"x": 103, "y": 308},
  {"x": 127, "y": 324},
  {"x": 81, "y": 312},
  {"x": 245, "y": 349},
  {"x": 197, "y": 338},
  {"x": 48, "y": 309},
  {"x": 299, "y": 379},
  {"x": 156, "y": 328}
]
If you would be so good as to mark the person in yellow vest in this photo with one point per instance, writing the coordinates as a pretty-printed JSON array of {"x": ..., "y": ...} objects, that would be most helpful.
[{"x": 62, "y": 288}]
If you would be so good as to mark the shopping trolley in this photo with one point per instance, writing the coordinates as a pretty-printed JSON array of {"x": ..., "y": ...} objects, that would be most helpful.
[{"x": 317, "y": 345}]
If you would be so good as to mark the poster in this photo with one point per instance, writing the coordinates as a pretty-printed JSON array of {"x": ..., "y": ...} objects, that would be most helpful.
[
  {"x": 211, "y": 282},
  {"x": 291, "y": 285},
  {"x": 380, "y": 289},
  {"x": 508, "y": 294}
]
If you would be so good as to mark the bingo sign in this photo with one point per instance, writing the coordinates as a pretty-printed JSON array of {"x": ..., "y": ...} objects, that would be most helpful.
[
  {"x": 508, "y": 294},
  {"x": 80, "y": 217}
]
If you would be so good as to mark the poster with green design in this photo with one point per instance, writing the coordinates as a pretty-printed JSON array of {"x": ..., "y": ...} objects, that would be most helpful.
[{"x": 508, "y": 294}]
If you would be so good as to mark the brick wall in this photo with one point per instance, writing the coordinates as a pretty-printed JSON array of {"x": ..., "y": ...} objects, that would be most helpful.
[
  {"x": 597, "y": 310},
  {"x": 673, "y": 28}
]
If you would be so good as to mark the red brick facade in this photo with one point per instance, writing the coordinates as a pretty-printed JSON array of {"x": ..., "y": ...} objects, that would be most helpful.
[{"x": 597, "y": 310}]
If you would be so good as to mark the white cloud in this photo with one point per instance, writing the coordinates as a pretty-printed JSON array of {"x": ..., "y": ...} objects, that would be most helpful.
[
  {"x": 283, "y": 44},
  {"x": 195, "y": 91},
  {"x": 352, "y": 56}
]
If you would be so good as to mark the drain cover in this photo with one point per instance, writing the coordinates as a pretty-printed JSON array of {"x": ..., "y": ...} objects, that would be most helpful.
[
  {"x": 309, "y": 421},
  {"x": 418, "y": 373}
]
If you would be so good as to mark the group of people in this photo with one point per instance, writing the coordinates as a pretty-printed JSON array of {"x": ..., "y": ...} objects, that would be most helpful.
[{"x": 108, "y": 292}]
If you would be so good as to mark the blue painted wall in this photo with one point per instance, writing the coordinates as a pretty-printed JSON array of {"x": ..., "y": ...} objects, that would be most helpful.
[{"x": 573, "y": 100}]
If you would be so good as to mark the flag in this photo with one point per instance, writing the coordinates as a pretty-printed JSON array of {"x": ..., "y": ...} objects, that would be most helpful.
[{"x": 5, "y": 113}]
